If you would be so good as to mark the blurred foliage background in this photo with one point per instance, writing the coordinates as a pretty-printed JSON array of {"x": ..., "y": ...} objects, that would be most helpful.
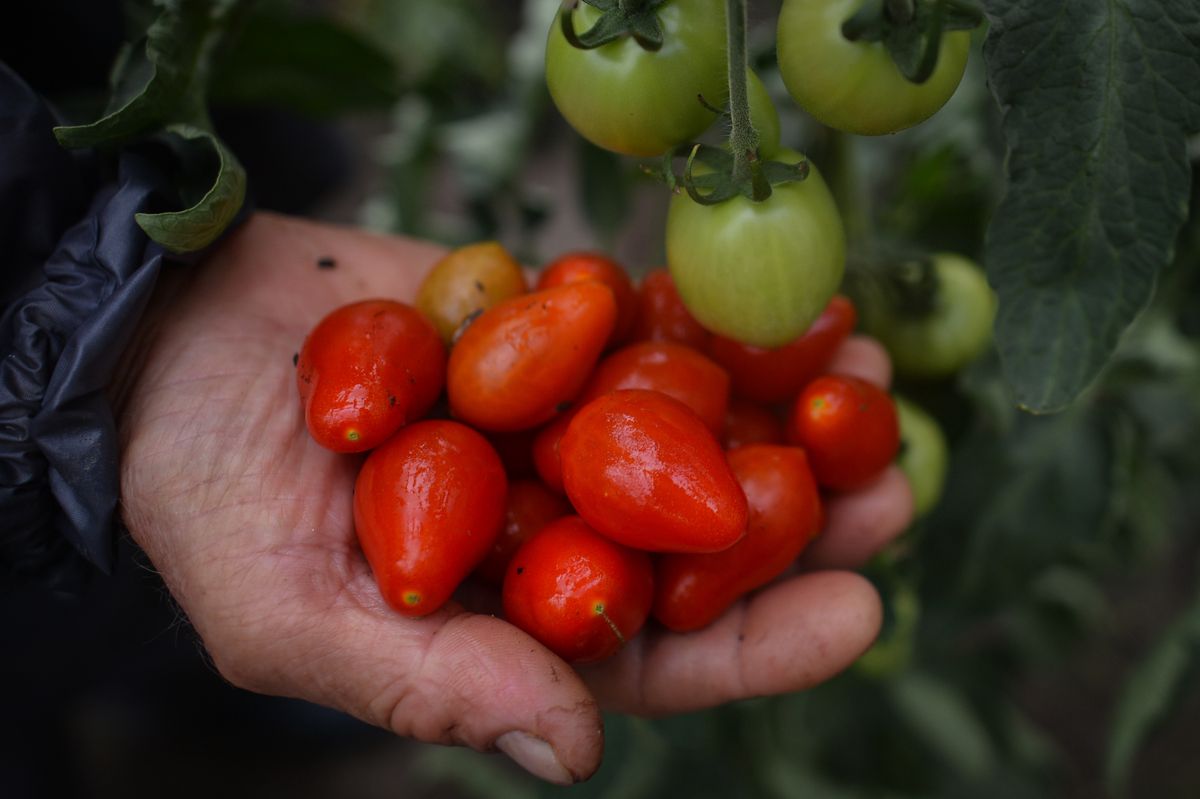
[{"x": 1043, "y": 621}]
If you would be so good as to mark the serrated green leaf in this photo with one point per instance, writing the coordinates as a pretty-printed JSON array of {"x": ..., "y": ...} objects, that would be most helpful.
[
  {"x": 151, "y": 78},
  {"x": 309, "y": 64},
  {"x": 1151, "y": 692},
  {"x": 1098, "y": 101},
  {"x": 196, "y": 227},
  {"x": 942, "y": 718}
]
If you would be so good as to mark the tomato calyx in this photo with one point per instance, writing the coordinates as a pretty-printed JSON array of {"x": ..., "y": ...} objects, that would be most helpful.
[
  {"x": 911, "y": 30},
  {"x": 739, "y": 170},
  {"x": 718, "y": 179},
  {"x": 618, "y": 18}
]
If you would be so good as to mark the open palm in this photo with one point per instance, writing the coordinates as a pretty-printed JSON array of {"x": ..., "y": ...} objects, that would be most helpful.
[{"x": 250, "y": 524}]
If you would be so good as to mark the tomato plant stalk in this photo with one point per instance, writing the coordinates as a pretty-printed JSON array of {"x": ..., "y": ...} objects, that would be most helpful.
[{"x": 743, "y": 138}]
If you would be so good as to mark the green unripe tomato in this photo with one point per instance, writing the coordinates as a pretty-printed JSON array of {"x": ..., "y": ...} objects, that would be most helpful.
[
  {"x": 923, "y": 455},
  {"x": 957, "y": 330},
  {"x": 758, "y": 272},
  {"x": 856, "y": 87},
  {"x": 630, "y": 100}
]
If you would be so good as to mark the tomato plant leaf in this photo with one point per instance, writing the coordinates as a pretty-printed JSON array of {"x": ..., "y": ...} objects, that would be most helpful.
[
  {"x": 309, "y": 64},
  {"x": 1098, "y": 99},
  {"x": 150, "y": 78},
  {"x": 1152, "y": 691},
  {"x": 943, "y": 718},
  {"x": 199, "y": 225}
]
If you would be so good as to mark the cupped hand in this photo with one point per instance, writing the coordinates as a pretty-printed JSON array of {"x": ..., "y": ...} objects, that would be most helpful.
[{"x": 250, "y": 524}]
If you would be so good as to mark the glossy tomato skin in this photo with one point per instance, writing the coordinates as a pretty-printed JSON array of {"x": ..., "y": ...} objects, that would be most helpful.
[
  {"x": 641, "y": 468},
  {"x": 366, "y": 369},
  {"x": 579, "y": 266},
  {"x": 547, "y": 459},
  {"x": 467, "y": 281},
  {"x": 955, "y": 332},
  {"x": 518, "y": 364},
  {"x": 849, "y": 429},
  {"x": 578, "y": 593},
  {"x": 785, "y": 515},
  {"x": 855, "y": 86},
  {"x": 748, "y": 423},
  {"x": 662, "y": 316},
  {"x": 630, "y": 100},
  {"x": 530, "y": 507},
  {"x": 758, "y": 272},
  {"x": 671, "y": 368},
  {"x": 428, "y": 505},
  {"x": 771, "y": 375},
  {"x": 923, "y": 455}
]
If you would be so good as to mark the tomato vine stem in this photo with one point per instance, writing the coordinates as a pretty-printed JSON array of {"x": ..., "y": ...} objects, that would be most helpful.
[{"x": 743, "y": 138}]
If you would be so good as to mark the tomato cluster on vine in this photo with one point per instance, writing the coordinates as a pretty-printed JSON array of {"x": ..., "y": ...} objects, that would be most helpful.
[
  {"x": 754, "y": 239},
  {"x": 584, "y": 445}
]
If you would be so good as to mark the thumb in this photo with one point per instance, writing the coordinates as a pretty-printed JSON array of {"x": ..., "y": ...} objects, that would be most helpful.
[{"x": 451, "y": 678}]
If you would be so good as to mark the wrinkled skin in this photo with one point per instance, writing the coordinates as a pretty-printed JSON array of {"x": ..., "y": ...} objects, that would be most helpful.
[{"x": 250, "y": 524}]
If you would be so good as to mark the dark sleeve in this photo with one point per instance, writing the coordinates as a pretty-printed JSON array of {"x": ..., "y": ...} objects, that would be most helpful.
[{"x": 77, "y": 273}]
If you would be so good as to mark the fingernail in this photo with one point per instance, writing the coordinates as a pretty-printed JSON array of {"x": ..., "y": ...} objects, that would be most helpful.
[{"x": 535, "y": 756}]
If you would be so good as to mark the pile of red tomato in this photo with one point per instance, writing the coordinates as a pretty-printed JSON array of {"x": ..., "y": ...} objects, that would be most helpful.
[{"x": 586, "y": 446}]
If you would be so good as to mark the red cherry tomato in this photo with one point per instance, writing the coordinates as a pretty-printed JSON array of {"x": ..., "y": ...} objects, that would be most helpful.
[
  {"x": 428, "y": 505},
  {"x": 521, "y": 361},
  {"x": 580, "y": 594},
  {"x": 579, "y": 266},
  {"x": 530, "y": 507},
  {"x": 641, "y": 468},
  {"x": 785, "y": 514},
  {"x": 546, "y": 457},
  {"x": 747, "y": 423},
  {"x": 849, "y": 429},
  {"x": 777, "y": 375},
  {"x": 662, "y": 316},
  {"x": 516, "y": 452},
  {"x": 671, "y": 368},
  {"x": 365, "y": 370}
]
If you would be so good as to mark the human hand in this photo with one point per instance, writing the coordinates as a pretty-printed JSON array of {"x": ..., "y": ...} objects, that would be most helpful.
[{"x": 250, "y": 524}]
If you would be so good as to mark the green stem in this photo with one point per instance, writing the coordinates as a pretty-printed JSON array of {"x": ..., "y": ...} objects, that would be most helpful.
[{"x": 743, "y": 139}]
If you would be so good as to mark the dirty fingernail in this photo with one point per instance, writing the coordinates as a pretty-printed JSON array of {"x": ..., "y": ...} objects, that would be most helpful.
[{"x": 535, "y": 756}]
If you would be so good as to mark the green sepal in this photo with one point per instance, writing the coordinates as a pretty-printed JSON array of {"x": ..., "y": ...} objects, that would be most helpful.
[
  {"x": 718, "y": 182},
  {"x": 913, "y": 44},
  {"x": 614, "y": 23}
]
